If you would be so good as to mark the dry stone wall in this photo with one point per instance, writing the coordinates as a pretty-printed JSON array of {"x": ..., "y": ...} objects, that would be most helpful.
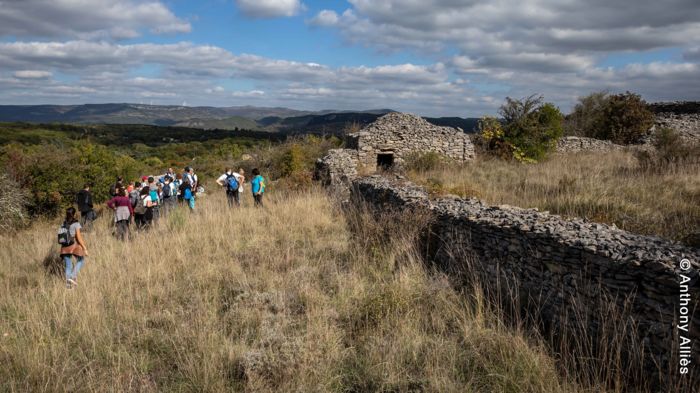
[
  {"x": 337, "y": 169},
  {"x": 571, "y": 271},
  {"x": 403, "y": 134},
  {"x": 396, "y": 136},
  {"x": 576, "y": 144},
  {"x": 682, "y": 116}
]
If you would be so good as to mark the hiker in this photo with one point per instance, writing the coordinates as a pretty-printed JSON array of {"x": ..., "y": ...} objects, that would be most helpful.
[
  {"x": 176, "y": 184},
  {"x": 231, "y": 182},
  {"x": 241, "y": 183},
  {"x": 84, "y": 201},
  {"x": 187, "y": 194},
  {"x": 257, "y": 186},
  {"x": 139, "y": 207},
  {"x": 148, "y": 206},
  {"x": 122, "y": 213},
  {"x": 188, "y": 176},
  {"x": 135, "y": 193},
  {"x": 169, "y": 195},
  {"x": 195, "y": 180},
  {"x": 155, "y": 198},
  {"x": 72, "y": 245},
  {"x": 170, "y": 173},
  {"x": 119, "y": 183}
]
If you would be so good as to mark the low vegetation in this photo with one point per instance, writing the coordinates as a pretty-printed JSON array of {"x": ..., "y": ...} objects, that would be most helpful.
[
  {"x": 614, "y": 188},
  {"x": 621, "y": 118},
  {"x": 528, "y": 130},
  {"x": 284, "y": 299},
  {"x": 48, "y": 171}
]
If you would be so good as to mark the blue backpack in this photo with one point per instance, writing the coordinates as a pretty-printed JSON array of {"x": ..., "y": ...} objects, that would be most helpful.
[
  {"x": 154, "y": 196},
  {"x": 231, "y": 183},
  {"x": 188, "y": 193}
]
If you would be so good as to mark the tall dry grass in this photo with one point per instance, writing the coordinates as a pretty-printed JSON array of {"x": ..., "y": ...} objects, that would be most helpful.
[
  {"x": 283, "y": 299},
  {"x": 603, "y": 187}
]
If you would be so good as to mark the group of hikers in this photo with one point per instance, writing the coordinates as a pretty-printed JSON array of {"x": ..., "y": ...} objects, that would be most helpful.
[{"x": 143, "y": 202}]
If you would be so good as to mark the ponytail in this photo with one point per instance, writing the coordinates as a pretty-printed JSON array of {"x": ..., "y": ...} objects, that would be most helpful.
[{"x": 70, "y": 215}]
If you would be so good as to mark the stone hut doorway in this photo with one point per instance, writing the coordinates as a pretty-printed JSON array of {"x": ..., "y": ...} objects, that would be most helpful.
[{"x": 385, "y": 160}]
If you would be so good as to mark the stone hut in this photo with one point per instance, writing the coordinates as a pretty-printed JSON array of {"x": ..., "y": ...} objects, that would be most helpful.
[{"x": 387, "y": 143}]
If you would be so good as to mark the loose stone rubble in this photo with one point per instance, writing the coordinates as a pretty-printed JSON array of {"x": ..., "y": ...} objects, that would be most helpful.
[{"x": 570, "y": 271}]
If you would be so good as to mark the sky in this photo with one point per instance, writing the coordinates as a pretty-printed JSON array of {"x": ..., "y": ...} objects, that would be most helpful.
[{"x": 430, "y": 57}]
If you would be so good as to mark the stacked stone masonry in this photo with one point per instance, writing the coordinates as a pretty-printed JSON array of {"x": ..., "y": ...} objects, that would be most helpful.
[
  {"x": 576, "y": 144},
  {"x": 557, "y": 264},
  {"x": 682, "y": 116},
  {"x": 393, "y": 137}
]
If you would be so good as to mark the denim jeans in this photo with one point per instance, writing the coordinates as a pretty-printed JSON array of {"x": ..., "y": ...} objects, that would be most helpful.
[{"x": 72, "y": 271}]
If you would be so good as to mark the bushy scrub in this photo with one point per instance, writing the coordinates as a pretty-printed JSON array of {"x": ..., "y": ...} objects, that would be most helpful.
[
  {"x": 621, "y": 118},
  {"x": 13, "y": 204},
  {"x": 670, "y": 150},
  {"x": 426, "y": 161},
  {"x": 51, "y": 175},
  {"x": 529, "y": 129},
  {"x": 292, "y": 162},
  {"x": 587, "y": 117}
]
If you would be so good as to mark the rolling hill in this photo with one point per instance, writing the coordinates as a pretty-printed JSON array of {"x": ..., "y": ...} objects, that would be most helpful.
[{"x": 226, "y": 118}]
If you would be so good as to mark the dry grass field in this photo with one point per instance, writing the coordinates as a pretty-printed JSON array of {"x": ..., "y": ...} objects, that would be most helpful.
[
  {"x": 282, "y": 299},
  {"x": 608, "y": 188},
  {"x": 296, "y": 297}
]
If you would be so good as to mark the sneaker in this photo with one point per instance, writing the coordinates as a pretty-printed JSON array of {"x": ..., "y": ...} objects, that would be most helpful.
[{"x": 72, "y": 282}]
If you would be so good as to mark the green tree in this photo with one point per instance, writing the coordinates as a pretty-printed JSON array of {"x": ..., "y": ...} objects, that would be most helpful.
[{"x": 529, "y": 129}]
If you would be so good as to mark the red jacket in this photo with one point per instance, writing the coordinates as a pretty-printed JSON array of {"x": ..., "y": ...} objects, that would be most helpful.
[{"x": 118, "y": 201}]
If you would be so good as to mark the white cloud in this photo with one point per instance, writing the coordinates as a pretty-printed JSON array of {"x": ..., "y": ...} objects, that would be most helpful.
[
  {"x": 325, "y": 18},
  {"x": 248, "y": 94},
  {"x": 32, "y": 74},
  {"x": 109, "y": 72},
  {"x": 270, "y": 8},
  {"x": 94, "y": 19}
]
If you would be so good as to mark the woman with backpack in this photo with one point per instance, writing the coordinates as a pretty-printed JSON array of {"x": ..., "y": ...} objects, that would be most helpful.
[
  {"x": 168, "y": 195},
  {"x": 72, "y": 245},
  {"x": 122, "y": 213},
  {"x": 150, "y": 202},
  {"x": 257, "y": 185},
  {"x": 141, "y": 215},
  {"x": 187, "y": 193}
]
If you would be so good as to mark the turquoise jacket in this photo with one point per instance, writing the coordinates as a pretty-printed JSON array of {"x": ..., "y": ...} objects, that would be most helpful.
[{"x": 258, "y": 185}]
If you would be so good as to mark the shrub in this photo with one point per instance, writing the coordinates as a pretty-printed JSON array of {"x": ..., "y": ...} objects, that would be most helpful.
[
  {"x": 530, "y": 129},
  {"x": 13, "y": 204},
  {"x": 429, "y": 161},
  {"x": 626, "y": 119},
  {"x": 588, "y": 115},
  {"x": 52, "y": 175},
  {"x": 671, "y": 150}
]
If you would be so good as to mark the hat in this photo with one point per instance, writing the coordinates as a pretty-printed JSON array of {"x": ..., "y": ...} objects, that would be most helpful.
[{"x": 144, "y": 178}]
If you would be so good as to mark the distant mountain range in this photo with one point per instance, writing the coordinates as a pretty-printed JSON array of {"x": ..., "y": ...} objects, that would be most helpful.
[{"x": 206, "y": 117}]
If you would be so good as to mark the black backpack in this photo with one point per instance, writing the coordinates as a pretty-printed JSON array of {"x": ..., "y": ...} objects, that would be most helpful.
[
  {"x": 64, "y": 237},
  {"x": 167, "y": 191}
]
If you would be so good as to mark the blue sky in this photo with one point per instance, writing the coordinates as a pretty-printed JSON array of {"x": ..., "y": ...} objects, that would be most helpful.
[{"x": 433, "y": 57}]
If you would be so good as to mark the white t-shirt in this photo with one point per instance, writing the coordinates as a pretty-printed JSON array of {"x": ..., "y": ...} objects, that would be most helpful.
[
  {"x": 146, "y": 200},
  {"x": 223, "y": 177},
  {"x": 73, "y": 229}
]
